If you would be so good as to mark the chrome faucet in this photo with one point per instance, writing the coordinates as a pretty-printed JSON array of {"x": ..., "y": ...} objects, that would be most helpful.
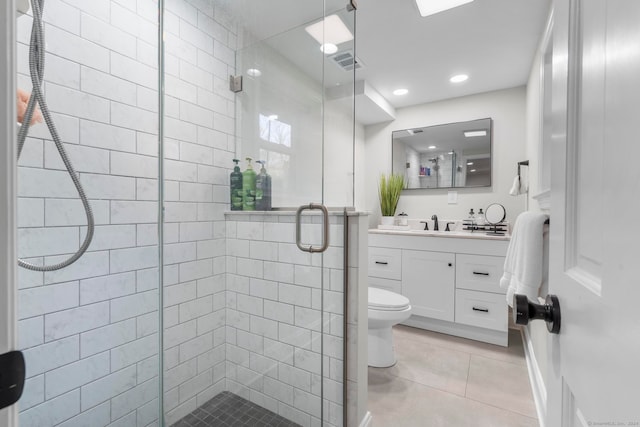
[{"x": 435, "y": 222}]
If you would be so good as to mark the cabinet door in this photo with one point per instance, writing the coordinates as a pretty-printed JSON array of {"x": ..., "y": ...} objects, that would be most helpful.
[{"x": 428, "y": 282}]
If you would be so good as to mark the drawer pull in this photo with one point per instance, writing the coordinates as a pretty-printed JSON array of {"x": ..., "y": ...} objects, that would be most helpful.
[
  {"x": 382, "y": 262},
  {"x": 484, "y": 310},
  {"x": 477, "y": 273}
]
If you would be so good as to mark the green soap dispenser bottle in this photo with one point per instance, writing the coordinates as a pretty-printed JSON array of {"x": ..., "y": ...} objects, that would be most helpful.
[
  {"x": 236, "y": 187},
  {"x": 263, "y": 189},
  {"x": 249, "y": 188}
]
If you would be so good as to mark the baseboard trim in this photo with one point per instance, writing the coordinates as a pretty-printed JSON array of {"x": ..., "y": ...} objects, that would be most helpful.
[
  {"x": 366, "y": 420},
  {"x": 490, "y": 336},
  {"x": 535, "y": 377}
]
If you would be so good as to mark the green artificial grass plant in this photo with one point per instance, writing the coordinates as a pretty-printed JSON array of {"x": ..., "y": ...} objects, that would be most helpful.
[{"x": 389, "y": 191}]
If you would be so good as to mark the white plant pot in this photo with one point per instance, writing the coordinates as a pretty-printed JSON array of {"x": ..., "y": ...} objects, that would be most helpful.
[{"x": 387, "y": 220}]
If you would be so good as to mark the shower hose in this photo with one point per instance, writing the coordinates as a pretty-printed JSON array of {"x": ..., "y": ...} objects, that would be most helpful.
[{"x": 36, "y": 70}]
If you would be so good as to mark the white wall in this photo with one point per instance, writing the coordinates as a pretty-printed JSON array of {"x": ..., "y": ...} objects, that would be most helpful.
[{"x": 505, "y": 107}]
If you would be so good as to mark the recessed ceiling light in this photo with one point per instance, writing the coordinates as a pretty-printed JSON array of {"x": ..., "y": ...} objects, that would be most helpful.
[
  {"x": 472, "y": 133},
  {"x": 328, "y": 48},
  {"x": 330, "y": 30},
  {"x": 472, "y": 170},
  {"x": 450, "y": 152},
  {"x": 469, "y": 163},
  {"x": 432, "y": 147},
  {"x": 254, "y": 72},
  {"x": 458, "y": 78},
  {"x": 400, "y": 92},
  {"x": 431, "y": 7}
]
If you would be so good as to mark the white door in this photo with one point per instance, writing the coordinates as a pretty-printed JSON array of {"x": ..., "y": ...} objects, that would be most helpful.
[{"x": 594, "y": 375}]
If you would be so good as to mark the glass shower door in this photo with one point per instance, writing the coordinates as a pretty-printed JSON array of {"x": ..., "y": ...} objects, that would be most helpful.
[
  {"x": 253, "y": 325},
  {"x": 89, "y": 330},
  {"x": 295, "y": 85}
]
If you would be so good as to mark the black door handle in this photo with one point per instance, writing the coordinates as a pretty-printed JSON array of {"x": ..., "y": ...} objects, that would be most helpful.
[
  {"x": 484, "y": 310},
  {"x": 12, "y": 373},
  {"x": 480, "y": 274},
  {"x": 525, "y": 310},
  {"x": 382, "y": 262}
]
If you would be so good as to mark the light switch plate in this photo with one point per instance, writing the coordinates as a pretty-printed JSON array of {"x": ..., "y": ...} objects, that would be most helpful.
[{"x": 452, "y": 197}]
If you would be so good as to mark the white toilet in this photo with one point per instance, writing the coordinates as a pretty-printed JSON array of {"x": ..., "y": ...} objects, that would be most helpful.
[{"x": 386, "y": 309}]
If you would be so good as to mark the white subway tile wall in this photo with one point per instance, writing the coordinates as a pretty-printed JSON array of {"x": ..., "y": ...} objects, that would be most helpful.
[
  {"x": 90, "y": 332},
  {"x": 276, "y": 332}
]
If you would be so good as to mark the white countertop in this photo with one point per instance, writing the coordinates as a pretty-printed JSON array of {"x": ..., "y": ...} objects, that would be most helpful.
[{"x": 446, "y": 234}]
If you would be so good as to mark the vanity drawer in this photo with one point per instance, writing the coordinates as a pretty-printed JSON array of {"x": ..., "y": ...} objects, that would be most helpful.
[
  {"x": 385, "y": 263},
  {"x": 479, "y": 273},
  {"x": 387, "y": 284},
  {"x": 481, "y": 309}
]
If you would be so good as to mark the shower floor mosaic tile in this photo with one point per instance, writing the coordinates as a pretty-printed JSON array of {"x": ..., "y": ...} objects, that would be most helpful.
[{"x": 228, "y": 409}]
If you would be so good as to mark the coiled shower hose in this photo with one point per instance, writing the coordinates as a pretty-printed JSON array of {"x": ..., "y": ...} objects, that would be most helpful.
[{"x": 36, "y": 69}]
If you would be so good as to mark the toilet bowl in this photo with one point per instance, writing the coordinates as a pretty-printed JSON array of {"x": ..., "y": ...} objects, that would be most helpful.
[{"x": 386, "y": 309}]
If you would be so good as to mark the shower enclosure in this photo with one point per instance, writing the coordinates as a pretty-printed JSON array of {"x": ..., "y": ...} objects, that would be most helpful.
[{"x": 182, "y": 312}]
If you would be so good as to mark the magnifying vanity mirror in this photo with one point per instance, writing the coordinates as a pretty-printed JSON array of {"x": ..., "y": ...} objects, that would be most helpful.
[
  {"x": 494, "y": 215},
  {"x": 453, "y": 155}
]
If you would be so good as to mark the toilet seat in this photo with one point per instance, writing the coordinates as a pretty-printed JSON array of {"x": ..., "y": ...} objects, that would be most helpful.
[{"x": 383, "y": 300}]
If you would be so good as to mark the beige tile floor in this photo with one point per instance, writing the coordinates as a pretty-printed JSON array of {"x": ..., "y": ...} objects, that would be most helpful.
[{"x": 441, "y": 380}]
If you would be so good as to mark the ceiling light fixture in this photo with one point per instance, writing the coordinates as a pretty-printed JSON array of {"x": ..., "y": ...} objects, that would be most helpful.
[
  {"x": 472, "y": 170},
  {"x": 473, "y": 133},
  {"x": 432, "y": 147},
  {"x": 328, "y": 48},
  {"x": 400, "y": 92},
  {"x": 431, "y": 7},
  {"x": 469, "y": 163},
  {"x": 459, "y": 78},
  {"x": 254, "y": 72},
  {"x": 330, "y": 30}
]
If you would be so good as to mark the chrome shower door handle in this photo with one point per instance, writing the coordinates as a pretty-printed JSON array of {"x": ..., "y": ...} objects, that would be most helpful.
[{"x": 325, "y": 228}]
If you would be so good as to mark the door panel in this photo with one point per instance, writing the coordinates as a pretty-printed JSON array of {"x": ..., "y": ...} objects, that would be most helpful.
[
  {"x": 594, "y": 256},
  {"x": 428, "y": 282}
]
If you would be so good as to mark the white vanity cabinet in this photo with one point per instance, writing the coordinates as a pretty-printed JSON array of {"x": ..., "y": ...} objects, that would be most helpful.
[{"x": 452, "y": 282}]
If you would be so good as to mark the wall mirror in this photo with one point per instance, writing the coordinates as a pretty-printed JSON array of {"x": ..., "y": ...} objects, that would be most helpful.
[{"x": 452, "y": 155}]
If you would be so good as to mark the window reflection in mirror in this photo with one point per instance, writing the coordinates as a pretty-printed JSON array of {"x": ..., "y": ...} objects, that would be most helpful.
[{"x": 453, "y": 155}]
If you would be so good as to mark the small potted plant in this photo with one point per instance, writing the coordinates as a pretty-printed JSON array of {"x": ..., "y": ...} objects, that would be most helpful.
[{"x": 389, "y": 190}]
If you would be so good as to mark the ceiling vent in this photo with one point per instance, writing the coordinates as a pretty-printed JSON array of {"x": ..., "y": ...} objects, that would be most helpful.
[{"x": 344, "y": 60}]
